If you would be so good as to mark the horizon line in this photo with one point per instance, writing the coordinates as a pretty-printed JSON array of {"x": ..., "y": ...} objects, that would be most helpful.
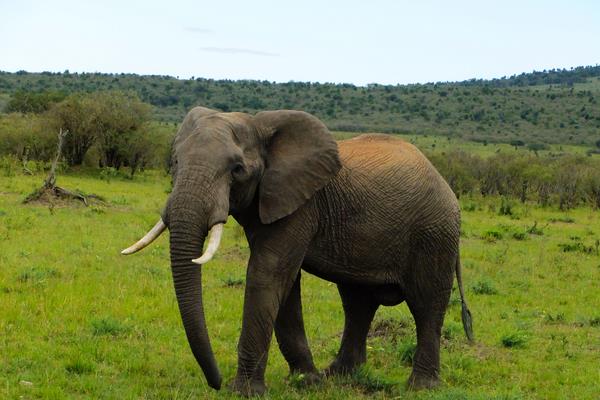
[{"x": 505, "y": 77}]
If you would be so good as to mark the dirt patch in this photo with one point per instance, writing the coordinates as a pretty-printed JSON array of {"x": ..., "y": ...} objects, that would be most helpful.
[
  {"x": 57, "y": 197},
  {"x": 390, "y": 328}
]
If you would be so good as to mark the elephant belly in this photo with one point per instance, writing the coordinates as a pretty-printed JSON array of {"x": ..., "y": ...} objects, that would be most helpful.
[{"x": 361, "y": 260}]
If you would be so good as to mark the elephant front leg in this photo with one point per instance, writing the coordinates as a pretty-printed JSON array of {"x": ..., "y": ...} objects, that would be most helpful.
[
  {"x": 291, "y": 336},
  {"x": 269, "y": 280}
]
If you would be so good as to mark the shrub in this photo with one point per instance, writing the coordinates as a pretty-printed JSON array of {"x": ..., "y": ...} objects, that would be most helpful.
[
  {"x": 492, "y": 236},
  {"x": 519, "y": 235},
  {"x": 516, "y": 339},
  {"x": 26, "y": 137},
  {"x": 484, "y": 286},
  {"x": 554, "y": 319},
  {"x": 9, "y": 165},
  {"x": 534, "y": 230},
  {"x": 577, "y": 246}
]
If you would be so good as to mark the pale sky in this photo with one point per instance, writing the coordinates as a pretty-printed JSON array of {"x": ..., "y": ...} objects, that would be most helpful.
[{"x": 359, "y": 42}]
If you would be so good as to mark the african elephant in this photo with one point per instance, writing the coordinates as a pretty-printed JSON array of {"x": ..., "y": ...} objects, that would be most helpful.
[{"x": 370, "y": 214}]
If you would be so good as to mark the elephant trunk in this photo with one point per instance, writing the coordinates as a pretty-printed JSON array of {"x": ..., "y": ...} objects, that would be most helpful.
[{"x": 187, "y": 239}]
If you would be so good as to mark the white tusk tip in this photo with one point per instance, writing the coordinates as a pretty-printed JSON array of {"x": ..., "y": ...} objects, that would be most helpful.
[
  {"x": 147, "y": 239},
  {"x": 201, "y": 260}
]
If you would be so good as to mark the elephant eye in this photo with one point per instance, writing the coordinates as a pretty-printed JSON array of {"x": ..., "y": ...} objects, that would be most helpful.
[{"x": 238, "y": 169}]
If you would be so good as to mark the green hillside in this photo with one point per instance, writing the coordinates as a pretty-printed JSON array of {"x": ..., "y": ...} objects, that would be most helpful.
[{"x": 557, "y": 106}]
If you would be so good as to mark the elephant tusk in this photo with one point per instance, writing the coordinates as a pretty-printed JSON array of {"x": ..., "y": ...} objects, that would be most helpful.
[
  {"x": 214, "y": 239},
  {"x": 147, "y": 239}
]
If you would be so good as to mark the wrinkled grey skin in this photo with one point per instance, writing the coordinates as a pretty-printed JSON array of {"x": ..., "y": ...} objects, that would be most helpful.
[{"x": 371, "y": 215}]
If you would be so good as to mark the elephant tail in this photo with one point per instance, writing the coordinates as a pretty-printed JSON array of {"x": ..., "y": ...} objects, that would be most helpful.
[{"x": 467, "y": 320}]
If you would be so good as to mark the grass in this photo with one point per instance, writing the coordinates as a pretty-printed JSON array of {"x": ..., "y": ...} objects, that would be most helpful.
[{"x": 78, "y": 320}]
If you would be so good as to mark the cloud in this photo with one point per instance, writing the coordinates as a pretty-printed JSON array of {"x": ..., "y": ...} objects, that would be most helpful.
[
  {"x": 198, "y": 30},
  {"x": 235, "y": 50}
]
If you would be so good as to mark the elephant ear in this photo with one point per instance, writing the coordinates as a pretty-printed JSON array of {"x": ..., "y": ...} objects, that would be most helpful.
[{"x": 302, "y": 157}]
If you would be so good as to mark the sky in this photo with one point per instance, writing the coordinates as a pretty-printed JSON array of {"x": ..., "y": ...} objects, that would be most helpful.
[{"x": 359, "y": 42}]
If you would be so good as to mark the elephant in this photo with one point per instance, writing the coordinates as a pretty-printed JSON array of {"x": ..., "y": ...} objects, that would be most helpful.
[{"x": 370, "y": 214}]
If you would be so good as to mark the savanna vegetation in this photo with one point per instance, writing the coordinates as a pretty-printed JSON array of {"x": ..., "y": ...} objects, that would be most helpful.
[
  {"x": 77, "y": 320},
  {"x": 111, "y": 131}
]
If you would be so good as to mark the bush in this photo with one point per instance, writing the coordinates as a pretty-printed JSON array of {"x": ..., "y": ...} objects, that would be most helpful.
[
  {"x": 577, "y": 246},
  {"x": 519, "y": 235},
  {"x": 484, "y": 286},
  {"x": 517, "y": 339},
  {"x": 9, "y": 165},
  {"x": 26, "y": 137},
  {"x": 492, "y": 236},
  {"x": 33, "y": 102}
]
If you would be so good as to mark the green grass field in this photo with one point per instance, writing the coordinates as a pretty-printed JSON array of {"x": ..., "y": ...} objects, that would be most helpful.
[{"x": 80, "y": 321}]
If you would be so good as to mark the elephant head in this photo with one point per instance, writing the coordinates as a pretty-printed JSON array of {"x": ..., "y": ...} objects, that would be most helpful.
[{"x": 267, "y": 165}]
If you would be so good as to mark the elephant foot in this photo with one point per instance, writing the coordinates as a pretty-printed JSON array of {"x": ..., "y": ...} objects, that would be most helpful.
[
  {"x": 420, "y": 382},
  {"x": 305, "y": 379},
  {"x": 247, "y": 388}
]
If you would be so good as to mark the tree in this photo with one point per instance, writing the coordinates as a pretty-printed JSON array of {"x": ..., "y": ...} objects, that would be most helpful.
[
  {"x": 78, "y": 114},
  {"x": 102, "y": 118},
  {"x": 122, "y": 115},
  {"x": 32, "y": 102}
]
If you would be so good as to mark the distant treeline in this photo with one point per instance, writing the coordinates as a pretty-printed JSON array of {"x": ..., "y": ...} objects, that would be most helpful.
[
  {"x": 519, "y": 107},
  {"x": 567, "y": 77}
]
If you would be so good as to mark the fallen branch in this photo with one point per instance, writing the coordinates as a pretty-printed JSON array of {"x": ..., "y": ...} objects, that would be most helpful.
[{"x": 49, "y": 191}]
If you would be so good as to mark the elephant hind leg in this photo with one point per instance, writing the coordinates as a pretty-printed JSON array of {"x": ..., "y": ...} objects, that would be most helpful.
[
  {"x": 359, "y": 310},
  {"x": 427, "y": 302}
]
